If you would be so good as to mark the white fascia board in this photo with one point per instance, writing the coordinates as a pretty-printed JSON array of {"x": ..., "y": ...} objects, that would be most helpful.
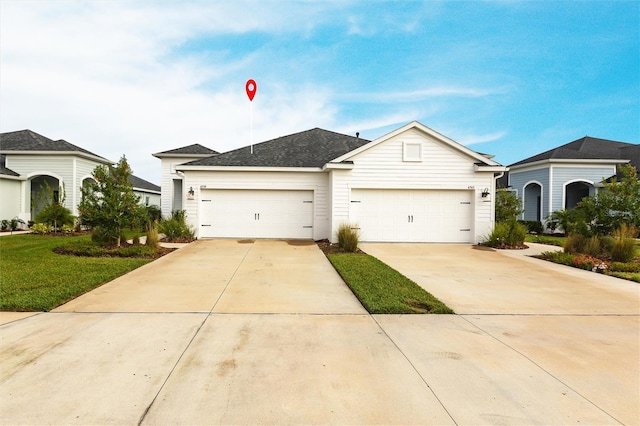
[
  {"x": 424, "y": 129},
  {"x": 479, "y": 168},
  {"x": 569, "y": 162},
  {"x": 149, "y": 191},
  {"x": 185, "y": 168},
  {"x": 58, "y": 153},
  {"x": 338, "y": 166},
  {"x": 10, "y": 177}
]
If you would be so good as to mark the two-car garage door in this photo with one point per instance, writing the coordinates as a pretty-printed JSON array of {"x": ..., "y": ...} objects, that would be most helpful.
[
  {"x": 235, "y": 213},
  {"x": 398, "y": 215}
]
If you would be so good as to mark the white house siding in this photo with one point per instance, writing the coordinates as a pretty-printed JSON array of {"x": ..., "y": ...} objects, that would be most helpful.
[
  {"x": 582, "y": 173},
  {"x": 168, "y": 174},
  {"x": 315, "y": 181},
  {"x": 154, "y": 199},
  {"x": 519, "y": 179},
  {"x": 10, "y": 205},
  {"x": 442, "y": 167},
  {"x": 69, "y": 169}
]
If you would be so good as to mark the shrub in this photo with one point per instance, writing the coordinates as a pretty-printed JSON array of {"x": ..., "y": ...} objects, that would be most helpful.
[
  {"x": 624, "y": 247},
  {"x": 624, "y": 267},
  {"x": 67, "y": 229},
  {"x": 176, "y": 227},
  {"x": 103, "y": 236},
  {"x": 55, "y": 214},
  {"x": 533, "y": 226},
  {"x": 348, "y": 237},
  {"x": 508, "y": 206},
  {"x": 558, "y": 257},
  {"x": 507, "y": 234},
  {"x": 575, "y": 243},
  {"x": 41, "y": 228},
  {"x": 152, "y": 235},
  {"x": 593, "y": 246}
]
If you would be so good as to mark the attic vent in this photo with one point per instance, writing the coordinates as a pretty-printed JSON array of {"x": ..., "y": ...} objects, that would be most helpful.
[{"x": 412, "y": 151}]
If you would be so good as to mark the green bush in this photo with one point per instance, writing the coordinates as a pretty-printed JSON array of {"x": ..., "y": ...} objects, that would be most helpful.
[
  {"x": 507, "y": 234},
  {"x": 625, "y": 267},
  {"x": 56, "y": 215},
  {"x": 624, "y": 247},
  {"x": 575, "y": 243},
  {"x": 41, "y": 228},
  {"x": 558, "y": 257},
  {"x": 348, "y": 237},
  {"x": 593, "y": 246},
  {"x": 82, "y": 248},
  {"x": 103, "y": 236},
  {"x": 176, "y": 227},
  {"x": 152, "y": 235},
  {"x": 533, "y": 226}
]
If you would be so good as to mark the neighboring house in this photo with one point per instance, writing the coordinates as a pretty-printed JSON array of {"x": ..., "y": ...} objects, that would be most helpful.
[
  {"x": 412, "y": 184},
  {"x": 29, "y": 163},
  {"x": 172, "y": 186},
  {"x": 560, "y": 178}
]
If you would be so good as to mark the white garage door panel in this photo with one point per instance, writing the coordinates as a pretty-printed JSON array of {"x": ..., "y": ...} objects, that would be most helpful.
[
  {"x": 413, "y": 215},
  {"x": 256, "y": 214}
]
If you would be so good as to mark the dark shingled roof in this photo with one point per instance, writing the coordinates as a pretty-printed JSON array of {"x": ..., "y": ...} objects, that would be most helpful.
[
  {"x": 311, "y": 148},
  {"x": 195, "y": 149},
  {"x": 143, "y": 184},
  {"x": 586, "y": 148},
  {"x": 27, "y": 140},
  {"x": 3, "y": 167}
]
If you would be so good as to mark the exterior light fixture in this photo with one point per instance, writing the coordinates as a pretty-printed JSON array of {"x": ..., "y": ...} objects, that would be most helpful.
[
  {"x": 191, "y": 194},
  {"x": 485, "y": 193}
]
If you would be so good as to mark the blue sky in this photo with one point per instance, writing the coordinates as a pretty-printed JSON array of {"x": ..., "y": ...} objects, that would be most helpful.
[{"x": 135, "y": 77}]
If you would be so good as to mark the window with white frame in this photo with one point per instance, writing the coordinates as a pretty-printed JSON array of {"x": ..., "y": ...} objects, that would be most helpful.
[{"x": 412, "y": 151}]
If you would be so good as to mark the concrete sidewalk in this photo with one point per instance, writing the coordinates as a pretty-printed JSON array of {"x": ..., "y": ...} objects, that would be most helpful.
[{"x": 265, "y": 332}]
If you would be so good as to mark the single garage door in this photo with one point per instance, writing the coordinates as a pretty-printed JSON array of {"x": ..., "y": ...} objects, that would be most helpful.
[
  {"x": 394, "y": 215},
  {"x": 227, "y": 213}
]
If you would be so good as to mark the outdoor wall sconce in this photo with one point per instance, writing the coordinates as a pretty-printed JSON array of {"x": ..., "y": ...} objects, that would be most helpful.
[
  {"x": 485, "y": 193},
  {"x": 191, "y": 193}
]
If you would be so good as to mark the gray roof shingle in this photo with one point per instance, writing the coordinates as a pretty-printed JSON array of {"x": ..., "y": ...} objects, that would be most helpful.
[
  {"x": 27, "y": 140},
  {"x": 311, "y": 148},
  {"x": 143, "y": 184},
  {"x": 195, "y": 149},
  {"x": 586, "y": 148}
]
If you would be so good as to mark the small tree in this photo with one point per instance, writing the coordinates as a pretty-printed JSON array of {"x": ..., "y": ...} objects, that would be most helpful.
[
  {"x": 108, "y": 202},
  {"x": 508, "y": 206}
]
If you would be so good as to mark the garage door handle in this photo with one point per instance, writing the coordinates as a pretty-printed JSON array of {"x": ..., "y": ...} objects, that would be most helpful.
[
  {"x": 256, "y": 216},
  {"x": 410, "y": 218}
]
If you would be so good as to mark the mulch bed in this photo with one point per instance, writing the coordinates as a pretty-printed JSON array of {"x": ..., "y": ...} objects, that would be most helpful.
[{"x": 328, "y": 248}]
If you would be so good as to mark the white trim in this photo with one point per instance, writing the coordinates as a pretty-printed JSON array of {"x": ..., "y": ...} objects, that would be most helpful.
[
  {"x": 11, "y": 177},
  {"x": 249, "y": 169},
  {"x": 57, "y": 153},
  {"x": 479, "y": 168},
  {"x": 406, "y": 147},
  {"x": 338, "y": 166},
  {"x": 550, "y": 190},
  {"x": 524, "y": 192},
  {"x": 430, "y": 132},
  {"x": 54, "y": 175},
  {"x": 569, "y": 182},
  {"x": 569, "y": 161}
]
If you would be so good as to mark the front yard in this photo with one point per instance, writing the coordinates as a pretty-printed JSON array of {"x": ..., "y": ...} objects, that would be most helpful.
[
  {"x": 628, "y": 271},
  {"x": 34, "y": 278}
]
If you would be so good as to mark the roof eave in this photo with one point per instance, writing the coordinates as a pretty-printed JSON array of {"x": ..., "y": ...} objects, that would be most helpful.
[
  {"x": 345, "y": 165},
  {"x": 12, "y": 177},
  {"x": 75, "y": 153},
  {"x": 152, "y": 191},
  {"x": 482, "y": 168},
  {"x": 248, "y": 169},
  {"x": 569, "y": 161}
]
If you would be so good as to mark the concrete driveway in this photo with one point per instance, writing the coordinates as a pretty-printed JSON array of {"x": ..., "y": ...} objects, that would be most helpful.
[
  {"x": 265, "y": 332},
  {"x": 526, "y": 327}
]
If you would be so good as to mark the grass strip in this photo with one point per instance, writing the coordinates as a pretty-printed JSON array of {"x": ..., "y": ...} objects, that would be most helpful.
[
  {"x": 383, "y": 290},
  {"x": 34, "y": 278}
]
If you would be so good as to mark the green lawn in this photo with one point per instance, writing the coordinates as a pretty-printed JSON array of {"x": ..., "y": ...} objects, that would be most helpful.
[
  {"x": 34, "y": 278},
  {"x": 545, "y": 239},
  {"x": 383, "y": 290}
]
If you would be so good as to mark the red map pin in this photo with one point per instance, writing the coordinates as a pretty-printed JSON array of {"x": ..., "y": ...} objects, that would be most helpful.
[{"x": 251, "y": 88}]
